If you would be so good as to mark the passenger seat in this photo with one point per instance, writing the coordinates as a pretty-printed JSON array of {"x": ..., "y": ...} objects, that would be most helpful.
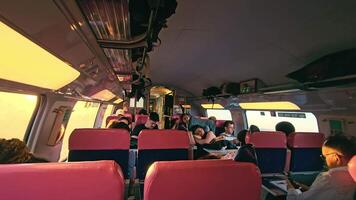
[
  {"x": 202, "y": 179},
  {"x": 59, "y": 181},
  {"x": 100, "y": 144}
]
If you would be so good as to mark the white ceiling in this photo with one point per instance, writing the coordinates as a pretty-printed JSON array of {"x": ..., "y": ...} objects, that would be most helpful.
[{"x": 209, "y": 42}]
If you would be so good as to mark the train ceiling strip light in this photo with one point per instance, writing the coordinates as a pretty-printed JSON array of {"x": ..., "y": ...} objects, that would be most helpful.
[
  {"x": 278, "y": 105},
  {"x": 104, "y": 95},
  {"x": 25, "y": 62}
]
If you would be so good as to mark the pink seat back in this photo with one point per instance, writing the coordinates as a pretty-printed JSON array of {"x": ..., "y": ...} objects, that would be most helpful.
[
  {"x": 99, "y": 139},
  {"x": 271, "y": 150},
  {"x": 352, "y": 167},
  {"x": 202, "y": 179},
  {"x": 128, "y": 115},
  {"x": 163, "y": 139},
  {"x": 306, "y": 140},
  {"x": 267, "y": 139},
  {"x": 220, "y": 123},
  {"x": 112, "y": 117},
  {"x": 140, "y": 119},
  {"x": 58, "y": 181}
]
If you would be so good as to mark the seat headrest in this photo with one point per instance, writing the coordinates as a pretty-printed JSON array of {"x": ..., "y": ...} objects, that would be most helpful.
[
  {"x": 99, "y": 139},
  {"x": 111, "y": 117},
  {"x": 306, "y": 140},
  {"x": 201, "y": 179},
  {"x": 220, "y": 123},
  {"x": 140, "y": 119},
  {"x": 352, "y": 167},
  {"x": 57, "y": 181},
  {"x": 163, "y": 139},
  {"x": 267, "y": 139},
  {"x": 128, "y": 115}
]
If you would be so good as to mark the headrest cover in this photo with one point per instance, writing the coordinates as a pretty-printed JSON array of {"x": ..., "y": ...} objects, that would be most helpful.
[
  {"x": 111, "y": 117},
  {"x": 140, "y": 119},
  {"x": 99, "y": 139},
  {"x": 219, "y": 123},
  {"x": 352, "y": 167},
  {"x": 267, "y": 139},
  {"x": 200, "y": 179},
  {"x": 128, "y": 115},
  {"x": 58, "y": 181},
  {"x": 163, "y": 139},
  {"x": 306, "y": 140}
]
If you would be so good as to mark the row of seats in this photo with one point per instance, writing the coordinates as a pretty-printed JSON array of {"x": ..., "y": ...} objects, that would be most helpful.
[
  {"x": 190, "y": 180},
  {"x": 104, "y": 180},
  {"x": 114, "y": 144},
  {"x": 272, "y": 154},
  {"x": 139, "y": 119}
]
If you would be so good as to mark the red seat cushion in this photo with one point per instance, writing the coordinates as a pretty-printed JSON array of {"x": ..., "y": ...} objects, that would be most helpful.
[
  {"x": 99, "y": 139},
  {"x": 352, "y": 167},
  {"x": 58, "y": 181},
  {"x": 203, "y": 179}
]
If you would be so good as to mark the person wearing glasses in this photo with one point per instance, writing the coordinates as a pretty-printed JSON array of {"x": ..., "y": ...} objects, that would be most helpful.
[{"x": 336, "y": 183}]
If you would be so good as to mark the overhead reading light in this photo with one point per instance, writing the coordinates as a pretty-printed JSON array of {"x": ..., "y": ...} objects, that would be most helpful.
[
  {"x": 104, "y": 95},
  {"x": 278, "y": 105},
  {"x": 23, "y": 61},
  {"x": 212, "y": 106}
]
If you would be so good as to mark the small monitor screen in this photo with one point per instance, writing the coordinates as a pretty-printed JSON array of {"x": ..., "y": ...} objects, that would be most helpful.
[{"x": 247, "y": 87}]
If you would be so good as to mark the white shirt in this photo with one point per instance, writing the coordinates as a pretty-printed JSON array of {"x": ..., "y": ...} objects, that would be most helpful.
[{"x": 335, "y": 184}]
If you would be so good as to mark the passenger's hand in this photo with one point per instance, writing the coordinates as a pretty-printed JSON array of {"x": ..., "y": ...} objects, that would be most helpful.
[{"x": 219, "y": 138}]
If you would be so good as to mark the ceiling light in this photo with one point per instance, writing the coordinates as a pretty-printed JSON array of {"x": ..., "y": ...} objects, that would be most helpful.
[
  {"x": 23, "y": 61},
  {"x": 278, "y": 105}
]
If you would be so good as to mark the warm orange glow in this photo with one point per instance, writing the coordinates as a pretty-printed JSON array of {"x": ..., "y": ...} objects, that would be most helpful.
[
  {"x": 212, "y": 106},
  {"x": 278, "y": 105},
  {"x": 119, "y": 100},
  {"x": 16, "y": 112},
  {"x": 104, "y": 95},
  {"x": 25, "y": 62},
  {"x": 83, "y": 116},
  {"x": 187, "y": 106}
]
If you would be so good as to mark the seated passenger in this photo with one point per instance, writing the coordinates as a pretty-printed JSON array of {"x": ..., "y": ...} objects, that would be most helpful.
[
  {"x": 285, "y": 127},
  {"x": 151, "y": 123},
  {"x": 241, "y": 137},
  {"x": 246, "y": 153},
  {"x": 336, "y": 183},
  {"x": 202, "y": 137},
  {"x": 15, "y": 151},
  {"x": 254, "y": 128},
  {"x": 118, "y": 124},
  {"x": 184, "y": 122},
  {"x": 143, "y": 112}
]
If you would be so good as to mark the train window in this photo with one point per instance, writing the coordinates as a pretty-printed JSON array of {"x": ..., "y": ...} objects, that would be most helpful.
[
  {"x": 267, "y": 120},
  {"x": 108, "y": 112},
  {"x": 83, "y": 116},
  {"x": 220, "y": 114},
  {"x": 16, "y": 113}
]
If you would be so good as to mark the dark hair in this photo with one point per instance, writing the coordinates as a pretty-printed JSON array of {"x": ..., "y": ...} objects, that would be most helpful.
[
  {"x": 254, "y": 128},
  {"x": 143, "y": 112},
  {"x": 121, "y": 125},
  {"x": 15, "y": 151},
  {"x": 195, "y": 127},
  {"x": 154, "y": 117},
  {"x": 241, "y": 136},
  {"x": 342, "y": 144},
  {"x": 285, "y": 127},
  {"x": 125, "y": 118},
  {"x": 228, "y": 122},
  {"x": 246, "y": 153}
]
